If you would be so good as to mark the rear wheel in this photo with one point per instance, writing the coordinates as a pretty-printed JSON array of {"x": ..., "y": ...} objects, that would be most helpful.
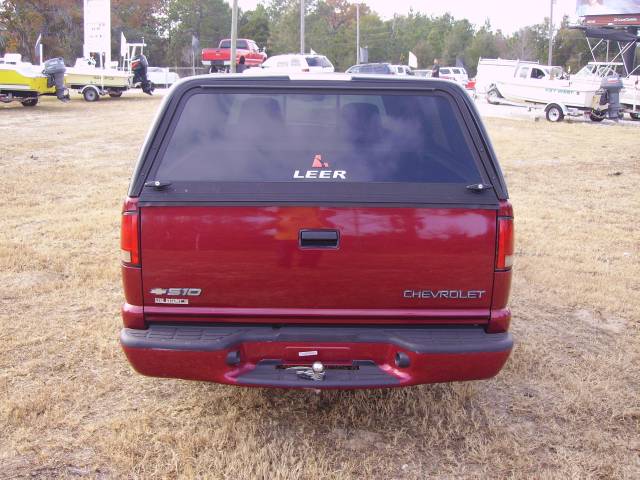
[
  {"x": 554, "y": 113},
  {"x": 493, "y": 96},
  {"x": 634, "y": 115},
  {"x": 596, "y": 117},
  {"x": 30, "y": 102},
  {"x": 91, "y": 95},
  {"x": 115, "y": 94}
]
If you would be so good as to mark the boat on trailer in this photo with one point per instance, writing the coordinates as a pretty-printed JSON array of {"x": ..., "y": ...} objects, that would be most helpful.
[
  {"x": 548, "y": 86},
  {"x": 92, "y": 82},
  {"x": 25, "y": 83}
]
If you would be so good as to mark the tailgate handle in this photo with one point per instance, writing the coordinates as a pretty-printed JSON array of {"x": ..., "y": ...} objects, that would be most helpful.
[{"x": 319, "y": 238}]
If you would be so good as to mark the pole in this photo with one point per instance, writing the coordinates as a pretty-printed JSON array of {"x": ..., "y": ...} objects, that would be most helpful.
[
  {"x": 551, "y": 34},
  {"x": 301, "y": 27},
  {"x": 41, "y": 54},
  {"x": 357, "y": 33},
  {"x": 234, "y": 35}
]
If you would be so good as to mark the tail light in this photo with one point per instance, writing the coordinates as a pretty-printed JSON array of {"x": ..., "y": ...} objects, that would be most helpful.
[
  {"x": 129, "y": 239},
  {"x": 504, "y": 257}
]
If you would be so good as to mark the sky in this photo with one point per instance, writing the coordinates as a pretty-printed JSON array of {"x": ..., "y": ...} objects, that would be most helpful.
[{"x": 507, "y": 15}]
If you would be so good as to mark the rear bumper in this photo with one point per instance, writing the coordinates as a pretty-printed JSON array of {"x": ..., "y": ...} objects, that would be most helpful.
[
  {"x": 354, "y": 357},
  {"x": 217, "y": 62}
]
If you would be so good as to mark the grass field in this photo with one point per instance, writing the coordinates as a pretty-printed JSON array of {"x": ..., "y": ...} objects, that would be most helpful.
[{"x": 567, "y": 404}]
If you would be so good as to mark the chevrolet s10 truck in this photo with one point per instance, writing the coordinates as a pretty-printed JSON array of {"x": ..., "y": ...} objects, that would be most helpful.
[{"x": 317, "y": 231}]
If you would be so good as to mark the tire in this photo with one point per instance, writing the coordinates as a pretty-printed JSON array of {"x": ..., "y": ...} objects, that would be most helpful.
[
  {"x": 634, "y": 115},
  {"x": 115, "y": 94},
  {"x": 554, "y": 113},
  {"x": 30, "y": 102},
  {"x": 91, "y": 95},
  {"x": 493, "y": 96},
  {"x": 213, "y": 69},
  {"x": 595, "y": 117}
]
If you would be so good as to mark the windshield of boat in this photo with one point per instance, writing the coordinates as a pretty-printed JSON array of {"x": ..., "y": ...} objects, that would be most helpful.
[
  {"x": 555, "y": 73},
  {"x": 598, "y": 70}
]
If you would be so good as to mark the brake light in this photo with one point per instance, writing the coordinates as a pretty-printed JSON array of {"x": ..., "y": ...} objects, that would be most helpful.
[
  {"x": 129, "y": 242},
  {"x": 504, "y": 257}
]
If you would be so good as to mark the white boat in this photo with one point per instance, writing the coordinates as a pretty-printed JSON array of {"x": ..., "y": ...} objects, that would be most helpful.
[{"x": 540, "y": 84}]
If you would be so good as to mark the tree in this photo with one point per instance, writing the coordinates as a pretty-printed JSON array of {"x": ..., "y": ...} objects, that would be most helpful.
[
  {"x": 208, "y": 20},
  {"x": 484, "y": 44},
  {"x": 570, "y": 48},
  {"x": 530, "y": 43},
  {"x": 59, "y": 22},
  {"x": 254, "y": 24},
  {"x": 138, "y": 20},
  {"x": 458, "y": 38}
]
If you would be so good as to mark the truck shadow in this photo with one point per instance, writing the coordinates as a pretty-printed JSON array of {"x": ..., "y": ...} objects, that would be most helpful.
[{"x": 377, "y": 412}]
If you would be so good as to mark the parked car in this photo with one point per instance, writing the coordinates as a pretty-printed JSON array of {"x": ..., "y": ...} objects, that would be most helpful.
[
  {"x": 457, "y": 74},
  {"x": 347, "y": 233},
  {"x": 402, "y": 70},
  {"x": 162, "y": 77},
  {"x": 372, "y": 68},
  {"x": 294, "y": 63},
  {"x": 424, "y": 73},
  {"x": 219, "y": 59}
]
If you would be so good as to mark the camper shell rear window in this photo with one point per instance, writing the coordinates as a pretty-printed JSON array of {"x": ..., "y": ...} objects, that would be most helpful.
[{"x": 353, "y": 146}]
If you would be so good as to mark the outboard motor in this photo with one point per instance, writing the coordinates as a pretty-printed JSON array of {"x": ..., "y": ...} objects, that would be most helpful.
[
  {"x": 606, "y": 101},
  {"x": 54, "y": 70},
  {"x": 139, "y": 67},
  {"x": 613, "y": 85}
]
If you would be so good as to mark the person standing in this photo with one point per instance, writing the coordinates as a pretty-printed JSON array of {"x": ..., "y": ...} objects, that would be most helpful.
[
  {"x": 435, "y": 70},
  {"x": 241, "y": 67}
]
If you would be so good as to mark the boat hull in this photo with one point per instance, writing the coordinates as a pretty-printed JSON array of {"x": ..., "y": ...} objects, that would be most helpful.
[
  {"x": 23, "y": 82},
  {"x": 546, "y": 92},
  {"x": 109, "y": 79}
]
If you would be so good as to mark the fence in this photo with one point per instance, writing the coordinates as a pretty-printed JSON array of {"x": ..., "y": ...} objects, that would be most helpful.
[{"x": 189, "y": 71}]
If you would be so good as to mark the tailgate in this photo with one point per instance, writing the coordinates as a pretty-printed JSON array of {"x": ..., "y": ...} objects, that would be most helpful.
[
  {"x": 215, "y": 54},
  {"x": 249, "y": 261}
]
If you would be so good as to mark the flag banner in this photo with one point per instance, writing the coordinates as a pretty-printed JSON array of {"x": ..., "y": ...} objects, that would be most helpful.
[
  {"x": 123, "y": 45},
  {"x": 37, "y": 47},
  {"x": 413, "y": 60},
  {"x": 364, "y": 54}
]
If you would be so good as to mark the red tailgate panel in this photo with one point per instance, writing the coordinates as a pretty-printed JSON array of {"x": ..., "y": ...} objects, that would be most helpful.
[{"x": 249, "y": 257}]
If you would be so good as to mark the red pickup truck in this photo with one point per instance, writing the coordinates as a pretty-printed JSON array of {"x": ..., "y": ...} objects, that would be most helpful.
[
  {"x": 218, "y": 59},
  {"x": 363, "y": 237}
]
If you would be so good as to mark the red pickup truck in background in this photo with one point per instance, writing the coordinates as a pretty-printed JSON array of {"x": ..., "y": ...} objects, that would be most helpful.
[{"x": 218, "y": 59}]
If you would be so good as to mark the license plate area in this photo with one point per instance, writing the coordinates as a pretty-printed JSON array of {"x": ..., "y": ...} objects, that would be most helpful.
[
  {"x": 306, "y": 354},
  {"x": 326, "y": 367}
]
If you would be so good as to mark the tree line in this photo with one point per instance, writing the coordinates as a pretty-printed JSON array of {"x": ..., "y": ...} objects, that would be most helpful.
[{"x": 168, "y": 27}]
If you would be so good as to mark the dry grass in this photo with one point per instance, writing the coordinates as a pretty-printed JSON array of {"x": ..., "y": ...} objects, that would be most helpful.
[{"x": 566, "y": 406}]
